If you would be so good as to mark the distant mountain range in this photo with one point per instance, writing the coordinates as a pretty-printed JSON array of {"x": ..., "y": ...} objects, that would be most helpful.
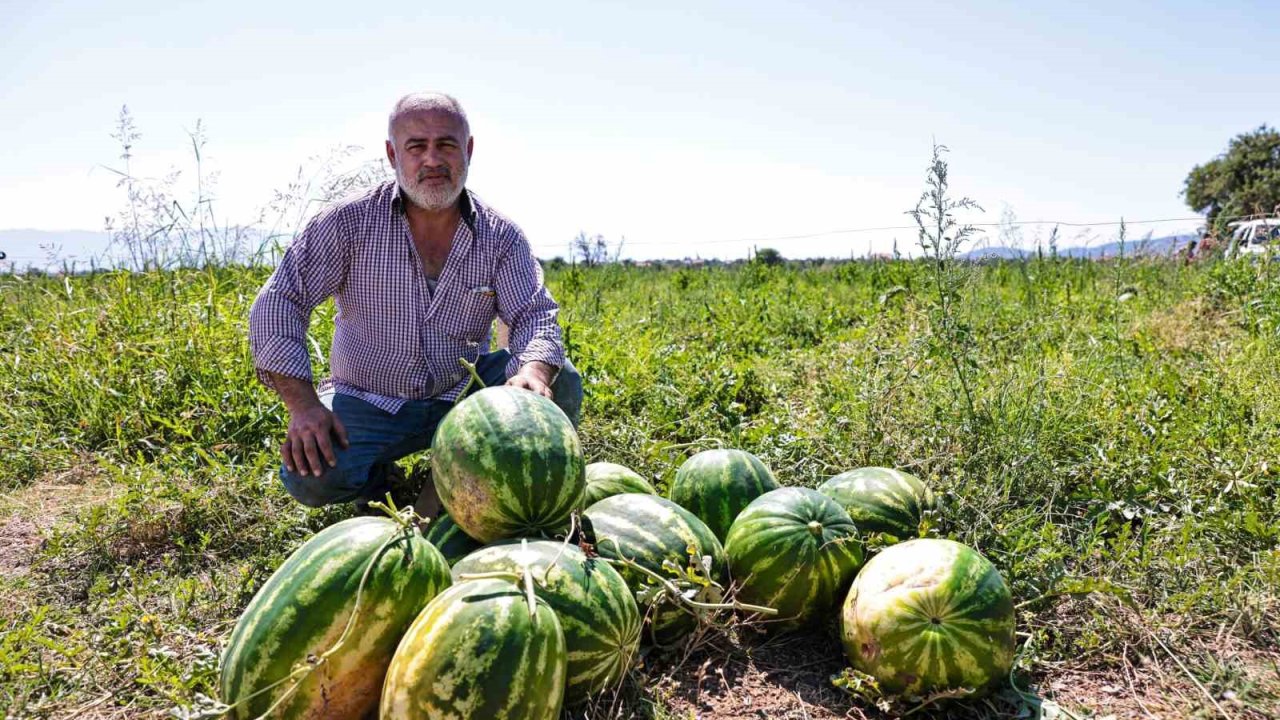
[
  {"x": 1154, "y": 247},
  {"x": 56, "y": 249},
  {"x": 53, "y": 250},
  {"x": 40, "y": 248}
]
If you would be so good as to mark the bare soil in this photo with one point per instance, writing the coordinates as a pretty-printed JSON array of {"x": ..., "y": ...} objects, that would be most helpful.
[
  {"x": 28, "y": 513},
  {"x": 791, "y": 677}
]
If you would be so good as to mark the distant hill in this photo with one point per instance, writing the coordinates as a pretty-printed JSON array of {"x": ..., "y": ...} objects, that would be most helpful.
[
  {"x": 39, "y": 248},
  {"x": 1155, "y": 247},
  {"x": 53, "y": 250}
]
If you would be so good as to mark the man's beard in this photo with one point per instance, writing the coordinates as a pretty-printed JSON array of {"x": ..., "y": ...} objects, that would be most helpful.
[{"x": 432, "y": 198}]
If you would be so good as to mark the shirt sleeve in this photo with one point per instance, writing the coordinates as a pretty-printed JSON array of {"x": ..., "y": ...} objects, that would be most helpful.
[
  {"x": 313, "y": 268},
  {"x": 526, "y": 306}
]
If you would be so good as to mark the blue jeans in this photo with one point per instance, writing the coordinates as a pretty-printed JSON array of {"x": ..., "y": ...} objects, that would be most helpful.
[{"x": 378, "y": 438}]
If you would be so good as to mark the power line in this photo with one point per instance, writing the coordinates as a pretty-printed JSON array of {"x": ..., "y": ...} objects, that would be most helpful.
[
  {"x": 846, "y": 231},
  {"x": 854, "y": 231}
]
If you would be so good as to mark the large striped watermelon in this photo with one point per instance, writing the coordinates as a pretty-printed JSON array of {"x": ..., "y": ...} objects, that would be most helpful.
[
  {"x": 928, "y": 615},
  {"x": 651, "y": 530},
  {"x": 716, "y": 485},
  {"x": 881, "y": 500},
  {"x": 507, "y": 463},
  {"x": 449, "y": 539},
  {"x": 477, "y": 651},
  {"x": 597, "y": 612},
  {"x": 794, "y": 550},
  {"x": 605, "y": 479},
  {"x": 305, "y": 606}
]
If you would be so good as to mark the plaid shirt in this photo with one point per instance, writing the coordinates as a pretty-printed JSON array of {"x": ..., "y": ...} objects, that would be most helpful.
[{"x": 394, "y": 338}]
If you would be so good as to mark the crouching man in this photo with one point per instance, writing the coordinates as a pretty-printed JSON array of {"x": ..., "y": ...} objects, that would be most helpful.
[{"x": 418, "y": 269}]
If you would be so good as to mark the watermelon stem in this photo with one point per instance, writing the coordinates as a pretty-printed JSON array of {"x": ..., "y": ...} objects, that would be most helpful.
[
  {"x": 673, "y": 591},
  {"x": 524, "y": 578},
  {"x": 573, "y": 529},
  {"x": 405, "y": 517},
  {"x": 528, "y": 592},
  {"x": 475, "y": 376}
]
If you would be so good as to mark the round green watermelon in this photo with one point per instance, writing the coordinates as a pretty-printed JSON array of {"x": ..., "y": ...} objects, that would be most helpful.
[
  {"x": 881, "y": 500},
  {"x": 507, "y": 463},
  {"x": 449, "y": 539},
  {"x": 605, "y": 479},
  {"x": 651, "y": 530},
  {"x": 305, "y": 606},
  {"x": 477, "y": 651},
  {"x": 929, "y": 615},
  {"x": 597, "y": 612},
  {"x": 794, "y": 550},
  {"x": 716, "y": 485}
]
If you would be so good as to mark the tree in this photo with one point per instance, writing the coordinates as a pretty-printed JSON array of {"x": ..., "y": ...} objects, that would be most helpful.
[
  {"x": 1245, "y": 180},
  {"x": 595, "y": 250},
  {"x": 768, "y": 256}
]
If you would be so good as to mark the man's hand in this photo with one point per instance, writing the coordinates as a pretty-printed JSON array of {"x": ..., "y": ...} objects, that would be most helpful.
[
  {"x": 536, "y": 376},
  {"x": 311, "y": 427},
  {"x": 308, "y": 441}
]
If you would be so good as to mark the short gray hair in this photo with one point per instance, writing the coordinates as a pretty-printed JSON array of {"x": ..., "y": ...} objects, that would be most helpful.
[{"x": 420, "y": 102}]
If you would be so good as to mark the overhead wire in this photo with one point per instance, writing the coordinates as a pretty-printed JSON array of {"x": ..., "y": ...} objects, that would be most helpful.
[{"x": 886, "y": 228}]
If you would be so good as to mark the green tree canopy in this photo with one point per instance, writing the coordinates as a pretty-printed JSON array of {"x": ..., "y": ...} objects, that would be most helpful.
[
  {"x": 768, "y": 256},
  {"x": 1244, "y": 180}
]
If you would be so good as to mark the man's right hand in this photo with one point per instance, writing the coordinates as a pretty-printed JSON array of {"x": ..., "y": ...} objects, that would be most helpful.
[
  {"x": 309, "y": 442},
  {"x": 311, "y": 427}
]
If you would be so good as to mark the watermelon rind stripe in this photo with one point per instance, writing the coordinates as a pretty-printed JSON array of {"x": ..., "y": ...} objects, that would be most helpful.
[
  {"x": 881, "y": 500},
  {"x": 304, "y": 607},
  {"x": 476, "y": 652},
  {"x": 715, "y": 485},
  {"x": 597, "y": 612},
  {"x": 449, "y": 539},
  {"x": 605, "y": 479},
  {"x": 929, "y": 615},
  {"x": 650, "y": 530},
  {"x": 793, "y": 550},
  {"x": 507, "y": 462}
]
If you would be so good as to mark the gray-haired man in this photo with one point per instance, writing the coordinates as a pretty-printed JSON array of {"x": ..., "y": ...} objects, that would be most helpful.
[{"x": 418, "y": 268}]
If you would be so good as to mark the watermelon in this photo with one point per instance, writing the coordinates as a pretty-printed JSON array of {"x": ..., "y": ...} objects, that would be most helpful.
[
  {"x": 794, "y": 550},
  {"x": 605, "y": 479},
  {"x": 478, "y": 651},
  {"x": 449, "y": 539},
  {"x": 716, "y": 485},
  {"x": 597, "y": 612},
  {"x": 651, "y": 530},
  {"x": 881, "y": 500},
  {"x": 304, "y": 608},
  {"x": 507, "y": 462},
  {"x": 929, "y": 615}
]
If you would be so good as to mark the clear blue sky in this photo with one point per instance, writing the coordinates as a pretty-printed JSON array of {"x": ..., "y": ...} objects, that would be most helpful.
[{"x": 684, "y": 126}]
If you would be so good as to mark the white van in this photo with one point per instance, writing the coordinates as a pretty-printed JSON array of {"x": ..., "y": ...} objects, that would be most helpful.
[{"x": 1255, "y": 237}]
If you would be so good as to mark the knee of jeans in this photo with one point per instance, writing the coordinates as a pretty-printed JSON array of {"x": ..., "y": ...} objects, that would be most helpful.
[
  {"x": 567, "y": 391},
  {"x": 332, "y": 486}
]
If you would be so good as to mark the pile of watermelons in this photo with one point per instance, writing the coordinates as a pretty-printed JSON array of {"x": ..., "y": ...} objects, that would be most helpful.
[{"x": 535, "y": 590}]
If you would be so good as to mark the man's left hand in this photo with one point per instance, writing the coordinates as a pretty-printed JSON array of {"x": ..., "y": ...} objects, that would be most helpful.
[{"x": 535, "y": 376}]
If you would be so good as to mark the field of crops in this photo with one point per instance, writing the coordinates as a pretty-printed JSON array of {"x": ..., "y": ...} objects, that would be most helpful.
[{"x": 1107, "y": 433}]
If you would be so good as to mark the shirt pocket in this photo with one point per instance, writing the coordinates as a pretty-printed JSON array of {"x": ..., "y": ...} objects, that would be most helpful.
[{"x": 471, "y": 313}]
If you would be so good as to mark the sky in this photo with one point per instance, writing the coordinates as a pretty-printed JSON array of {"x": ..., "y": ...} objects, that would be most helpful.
[{"x": 690, "y": 128}]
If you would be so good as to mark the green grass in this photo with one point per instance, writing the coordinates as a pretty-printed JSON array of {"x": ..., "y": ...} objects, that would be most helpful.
[{"x": 1124, "y": 447}]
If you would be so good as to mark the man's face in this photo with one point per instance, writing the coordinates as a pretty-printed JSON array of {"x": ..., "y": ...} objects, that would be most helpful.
[{"x": 430, "y": 151}]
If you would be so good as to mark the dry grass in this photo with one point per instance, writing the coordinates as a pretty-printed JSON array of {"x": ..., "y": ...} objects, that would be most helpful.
[{"x": 29, "y": 513}]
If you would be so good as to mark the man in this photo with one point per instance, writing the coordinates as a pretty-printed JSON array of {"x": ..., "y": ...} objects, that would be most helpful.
[{"x": 418, "y": 269}]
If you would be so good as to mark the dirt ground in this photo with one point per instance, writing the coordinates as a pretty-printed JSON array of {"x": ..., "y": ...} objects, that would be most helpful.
[{"x": 791, "y": 677}]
